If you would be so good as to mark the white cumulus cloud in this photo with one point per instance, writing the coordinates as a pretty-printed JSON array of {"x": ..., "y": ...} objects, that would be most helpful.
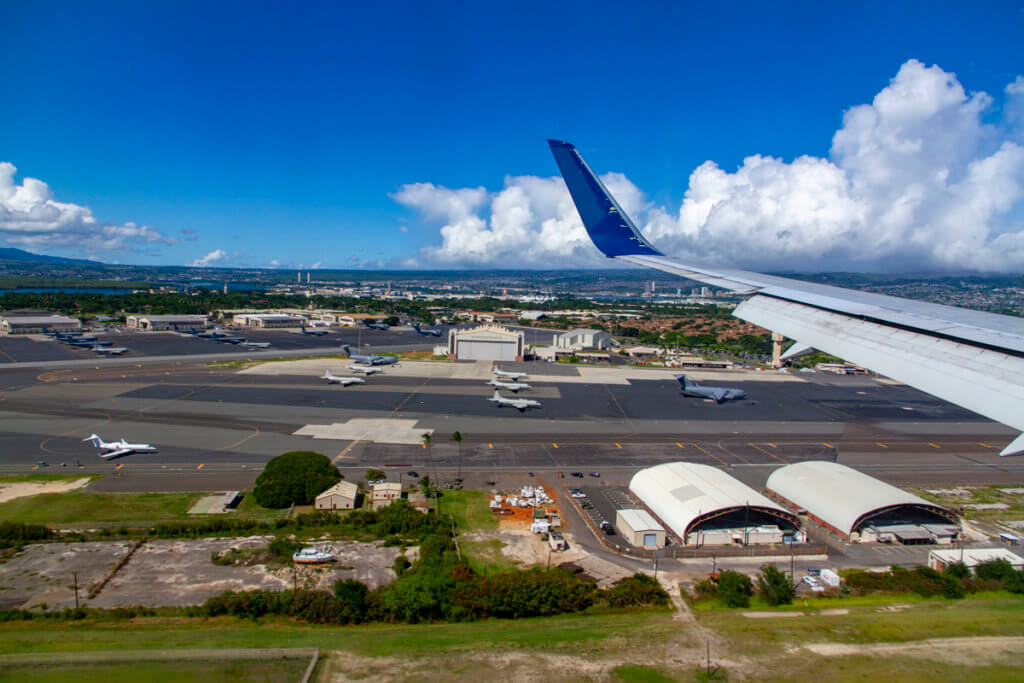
[
  {"x": 213, "y": 258},
  {"x": 31, "y": 217},
  {"x": 915, "y": 179}
]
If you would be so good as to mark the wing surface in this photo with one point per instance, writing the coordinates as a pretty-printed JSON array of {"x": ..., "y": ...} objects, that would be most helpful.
[
  {"x": 117, "y": 453},
  {"x": 971, "y": 358}
]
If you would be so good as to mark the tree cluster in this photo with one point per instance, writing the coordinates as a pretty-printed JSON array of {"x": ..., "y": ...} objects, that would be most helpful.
[{"x": 294, "y": 478}]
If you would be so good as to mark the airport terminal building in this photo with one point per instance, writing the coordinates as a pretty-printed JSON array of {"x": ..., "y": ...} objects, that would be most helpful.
[
  {"x": 860, "y": 508},
  {"x": 703, "y": 505}
]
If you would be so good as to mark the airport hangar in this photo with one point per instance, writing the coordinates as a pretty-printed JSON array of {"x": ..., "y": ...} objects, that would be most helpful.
[
  {"x": 703, "y": 505},
  {"x": 858, "y": 507}
]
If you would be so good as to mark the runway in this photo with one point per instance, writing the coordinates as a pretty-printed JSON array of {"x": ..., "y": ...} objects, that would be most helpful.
[{"x": 219, "y": 426}]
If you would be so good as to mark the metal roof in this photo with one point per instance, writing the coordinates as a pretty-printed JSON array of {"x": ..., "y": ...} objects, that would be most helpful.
[
  {"x": 342, "y": 488},
  {"x": 26, "y": 320},
  {"x": 639, "y": 520},
  {"x": 683, "y": 494},
  {"x": 839, "y": 495}
]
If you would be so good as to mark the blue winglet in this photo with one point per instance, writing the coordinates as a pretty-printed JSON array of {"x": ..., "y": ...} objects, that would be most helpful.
[{"x": 609, "y": 227}]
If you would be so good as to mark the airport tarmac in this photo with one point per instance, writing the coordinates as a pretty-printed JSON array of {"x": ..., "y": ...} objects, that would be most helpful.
[{"x": 215, "y": 427}]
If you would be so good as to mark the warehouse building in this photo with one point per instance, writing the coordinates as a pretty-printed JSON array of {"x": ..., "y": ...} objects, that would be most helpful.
[
  {"x": 165, "y": 322},
  {"x": 341, "y": 496},
  {"x": 860, "y": 508},
  {"x": 972, "y": 557},
  {"x": 581, "y": 339},
  {"x": 639, "y": 528},
  {"x": 703, "y": 505},
  {"x": 268, "y": 320},
  {"x": 37, "y": 322},
  {"x": 488, "y": 342}
]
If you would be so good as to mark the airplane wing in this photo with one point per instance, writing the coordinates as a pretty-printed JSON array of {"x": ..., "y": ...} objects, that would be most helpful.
[
  {"x": 971, "y": 358},
  {"x": 119, "y": 452}
]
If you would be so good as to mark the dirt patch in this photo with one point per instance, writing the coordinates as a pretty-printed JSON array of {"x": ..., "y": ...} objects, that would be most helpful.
[
  {"x": 44, "y": 573},
  {"x": 978, "y": 651},
  {"x": 24, "y": 489}
]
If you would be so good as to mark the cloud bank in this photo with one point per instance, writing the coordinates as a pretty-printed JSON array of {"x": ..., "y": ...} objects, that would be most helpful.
[
  {"x": 31, "y": 217},
  {"x": 917, "y": 179}
]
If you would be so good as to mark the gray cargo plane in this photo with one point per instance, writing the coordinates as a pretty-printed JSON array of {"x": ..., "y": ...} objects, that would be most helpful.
[
  {"x": 718, "y": 394},
  {"x": 426, "y": 333},
  {"x": 341, "y": 379},
  {"x": 520, "y": 404},
  {"x": 368, "y": 360}
]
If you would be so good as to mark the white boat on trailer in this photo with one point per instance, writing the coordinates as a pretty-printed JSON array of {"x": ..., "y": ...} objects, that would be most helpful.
[{"x": 312, "y": 556}]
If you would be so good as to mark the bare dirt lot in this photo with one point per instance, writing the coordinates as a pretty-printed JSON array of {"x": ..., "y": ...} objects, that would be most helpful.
[
  {"x": 43, "y": 573},
  {"x": 172, "y": 572},
  {"x": 23, "y": 489}
]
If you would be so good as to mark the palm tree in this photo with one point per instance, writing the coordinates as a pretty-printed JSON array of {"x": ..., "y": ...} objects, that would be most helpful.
[{"x": 457, "y": 438}]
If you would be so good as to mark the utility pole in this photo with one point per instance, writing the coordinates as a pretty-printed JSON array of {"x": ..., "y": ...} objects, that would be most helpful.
[{"x": 75, "y": 574}]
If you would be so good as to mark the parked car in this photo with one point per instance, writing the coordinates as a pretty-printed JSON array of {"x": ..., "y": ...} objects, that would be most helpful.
[
  {"x": 578, "y": 475},
  {"x": 595, "y": 474},
  {"x": 412, "y": 473}
]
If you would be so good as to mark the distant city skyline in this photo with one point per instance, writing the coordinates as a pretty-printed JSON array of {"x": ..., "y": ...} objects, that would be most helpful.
[{"x": 886, "y": 136}]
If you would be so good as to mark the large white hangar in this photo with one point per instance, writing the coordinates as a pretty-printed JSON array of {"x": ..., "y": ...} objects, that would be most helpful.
[
  {"x": 857, "y": 507},
  {"x": 488, "y": 342},
  {"x": 705, "y": 506}
]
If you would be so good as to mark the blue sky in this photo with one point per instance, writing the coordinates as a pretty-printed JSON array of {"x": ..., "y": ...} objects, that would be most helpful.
[{"x": 282, "y": 132}]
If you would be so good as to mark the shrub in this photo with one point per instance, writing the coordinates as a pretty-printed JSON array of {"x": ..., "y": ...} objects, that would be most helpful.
[
  {"x": 958, "y": 570},
  {"x": 774, "y": 586},
  {"x": 639, "y": 589},
  {"x": 995, "y": 570},
  {"x": 15, "y": 533},
  {"x": 295, "y": 477},
  {"x": 734, "y": 589},
  {"x": 282, "y": 549},
  {"x": 952, "y": 588},
  {"x": 401, "y": 564}
]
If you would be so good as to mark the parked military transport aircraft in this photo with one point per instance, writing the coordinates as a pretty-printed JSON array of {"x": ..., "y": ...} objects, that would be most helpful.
[
  {"x": 341, "y": 379},
  {"x": 315, "y": 332},
  {"x": 373, "y": 325},
  {"x": 426, "y": 333},
  {"x": 510, "y": 375},
  {"x": 520, "y": 404},
  {"x": 109, "y": 350},
  {"x": 365, "y": 369},
  {"x": 368, "y": 360},
  {"x": 230, "y": 340},
  {"x": 514, "y": 387},
  {"x": 115, "y": 449},
  {"x": 970, "y": 358},
  {"x": 718, "y": 394}
]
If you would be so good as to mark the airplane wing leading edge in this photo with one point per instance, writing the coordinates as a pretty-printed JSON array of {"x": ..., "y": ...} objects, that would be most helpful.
[{"x": 971, "y": 358}]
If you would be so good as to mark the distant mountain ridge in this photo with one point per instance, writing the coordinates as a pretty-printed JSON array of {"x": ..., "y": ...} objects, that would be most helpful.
[{"x": 22, "y": 256}]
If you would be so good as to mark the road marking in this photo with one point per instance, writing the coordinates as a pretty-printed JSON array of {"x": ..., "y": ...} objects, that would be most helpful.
[
  {"x": 771, "y": 444},
  {"x": 424, "y": 445},
  {"x": 933, "y": 445},
  {"x": 826, "y": 444},
  {"x": 769, "y": 453},
  {"x": 681, "y": 445},
  {"x": 200, "y": 466},
  {"x": 878, "y": 443},
  {"x": 554, "y": 445},
  {"x": 490, "y": 445},
  {"x": 119, "y": 466},
  {"x": 618, "y": 445},
  {"x": 346, "y": 450},
  {"x": 985, "y": 445},
  {"x": 35, "y": 467},
  {"x": 710, "y": 454}
]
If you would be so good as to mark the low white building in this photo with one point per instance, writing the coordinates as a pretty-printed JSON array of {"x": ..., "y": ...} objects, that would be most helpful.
[
  {"x": 268, "y": 320},
  {"x": 488, "y": 342},
  {"x": 341, "y": 496},
  {"x": 972, "y": 557},
  {"x": 165, "y": 322},
  {"x": 38, "y": 323},
  {"x": 580, "y": 339},
  {"x": 640, "y": 528},
  {"x": 385, "y": 493}
]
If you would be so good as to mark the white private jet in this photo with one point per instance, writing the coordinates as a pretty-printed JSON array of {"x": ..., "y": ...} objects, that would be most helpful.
[
  {"x": 365, "y": 369},
  {"x": 514, "y": 387},
  {"x": 509, "y": 375},
  {"x": 520, "y": 404},
  {"x": 109, "y": 350},
  {"x": 341, "y": 379},
  {"x": 256, "y": 345},
  {"x": 115, "y": 449}
]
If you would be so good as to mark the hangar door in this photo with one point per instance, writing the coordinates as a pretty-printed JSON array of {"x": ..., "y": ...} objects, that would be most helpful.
[
  {"x": 650, "y": 540},
  {"x": 485, "y": 350}
]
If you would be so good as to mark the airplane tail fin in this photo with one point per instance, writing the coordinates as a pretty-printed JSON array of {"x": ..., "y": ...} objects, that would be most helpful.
[
  {"x": 95, "y": 439},
  {"x": 497, "y": 395},
  {"x": 682, "y": 380},
  {"x": 347, "y": 349},
  {"x": 609, "y": 227}
]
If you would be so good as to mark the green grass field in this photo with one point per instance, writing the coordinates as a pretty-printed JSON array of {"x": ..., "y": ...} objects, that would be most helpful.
[
  {"x": 469, "y": 508},
  {"x": 77, "y": 509},
  {"x": 14, "y": 479},
  {"x": 245, "y": 670}
]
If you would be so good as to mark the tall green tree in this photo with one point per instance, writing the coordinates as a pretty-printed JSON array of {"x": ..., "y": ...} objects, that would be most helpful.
[{"x": 295, "y": 477}]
